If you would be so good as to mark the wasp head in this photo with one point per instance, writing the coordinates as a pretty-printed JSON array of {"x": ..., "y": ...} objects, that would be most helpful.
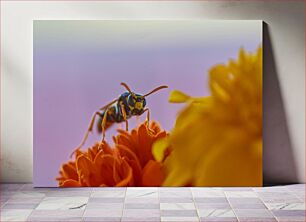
[{"x": 136, "y": 103}]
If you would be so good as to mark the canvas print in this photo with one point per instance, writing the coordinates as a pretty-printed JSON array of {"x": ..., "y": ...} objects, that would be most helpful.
[{"x": 147, "y": 103}]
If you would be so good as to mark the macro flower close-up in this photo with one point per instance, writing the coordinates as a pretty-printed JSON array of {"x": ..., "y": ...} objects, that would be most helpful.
[
  {"x": 128, "y": 163},
  {"x": 217, "y": 140}
]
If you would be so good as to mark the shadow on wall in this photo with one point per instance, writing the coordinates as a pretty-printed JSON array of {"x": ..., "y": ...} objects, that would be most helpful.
[{"x": 278, "y": 161}]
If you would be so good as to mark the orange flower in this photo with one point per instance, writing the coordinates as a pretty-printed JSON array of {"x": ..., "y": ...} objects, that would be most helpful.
[
  {"x": 137, "y": 148},
  {"x": 70, "y": 172},
  {"x": 129, "y": 163}
]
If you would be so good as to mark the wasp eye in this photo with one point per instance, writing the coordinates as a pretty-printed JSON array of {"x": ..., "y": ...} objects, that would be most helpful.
[{"x": 131, "y": 100}]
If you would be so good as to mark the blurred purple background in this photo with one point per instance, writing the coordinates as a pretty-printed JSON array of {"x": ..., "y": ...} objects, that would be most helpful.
[{"x": 78, "y": 67}]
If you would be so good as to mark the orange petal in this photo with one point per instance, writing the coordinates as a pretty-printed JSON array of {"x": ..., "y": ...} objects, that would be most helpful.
[
  {"x": 78, "y": 153},
  {"x": 126, "y": 140},
  {"x": 69, "y": 172},
  {"x": 152, "y": 174},
  {"x": 107, "y": 149},
  {"x": 128, "y": 175},
  {"x": 88, "y": 174},
  {"x": 104, "y": 163},
  {"x": 70, "y": 183},
  {"x": 116, "y": 171},
  {"x": 136, "y": 171},
  {"x": 145, "y": 145},
  {"x": 126, "y": 152},
  {"x": 155, "y": 127},
  {"x": 91, "y": 154}
]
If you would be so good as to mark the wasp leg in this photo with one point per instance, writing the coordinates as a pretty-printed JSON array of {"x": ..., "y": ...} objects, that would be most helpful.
[
  {"x": 104, "y": 120},
  {"x": 124, "y": 117},
  {"x": 108, "y": 105},
  {"x": 148, "y": 120},
  {"x": 90, "y": 127}
]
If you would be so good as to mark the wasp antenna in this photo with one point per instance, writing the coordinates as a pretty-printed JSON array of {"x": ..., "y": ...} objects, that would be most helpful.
[
  {"x": 126, "y": 86},
  {"x": 156, "y": 89}
]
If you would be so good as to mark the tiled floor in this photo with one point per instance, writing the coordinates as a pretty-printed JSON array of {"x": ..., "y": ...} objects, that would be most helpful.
[{"x": 21, "y": 202}]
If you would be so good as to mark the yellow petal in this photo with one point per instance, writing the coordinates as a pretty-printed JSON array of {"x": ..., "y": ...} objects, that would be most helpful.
[
  {"x": 178, "y": 97},
  {"x": 178, "y": 177},
  {"x": 219, "y": 92},
  {"x": 242, "y": 56},
  {"x": 159, "y": 148}
]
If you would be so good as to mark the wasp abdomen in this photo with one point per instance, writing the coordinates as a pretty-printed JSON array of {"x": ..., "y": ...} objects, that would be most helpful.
[{"x": 114, "y": 115}]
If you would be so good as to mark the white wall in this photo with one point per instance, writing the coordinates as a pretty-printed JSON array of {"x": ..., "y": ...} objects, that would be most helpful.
[{"x": 284, "y": 154}]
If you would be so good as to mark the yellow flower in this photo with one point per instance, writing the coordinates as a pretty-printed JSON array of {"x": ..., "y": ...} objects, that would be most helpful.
[{"x": 217, "y": 140}]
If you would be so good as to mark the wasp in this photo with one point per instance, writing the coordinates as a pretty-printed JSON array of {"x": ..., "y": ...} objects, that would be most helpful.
[{"x": 128, "y": 104}]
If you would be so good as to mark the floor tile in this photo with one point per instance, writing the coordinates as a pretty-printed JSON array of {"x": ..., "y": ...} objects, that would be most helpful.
[
  {"x": 3, "y": 200},
  {"x": 142, "y": 189},
  {"x": 176, "y": 200},
  {"x": 210, "y": 200},
  {"x": 92, "y": 205},
  {"x": 142, "y": 192},
  {"x": 107, "y": 193},
  {"x": 103, "y": 213},
  {"x": 237, "y": 189},
  {"x": 28, "y": 194},
  {"x": 240, "y": 194},
  {"x": 285, "y": 206},
  {"x": 296, "y": 187},
  {"x": 68, "y": 193},
  {"x": 101, "y": 219},
  {"x": 279, "y": 189},
  {"x": 15, "y": 214},
  {"x": 218, "y": 219},
  {"x": 10, "y": 186},
  {"x": 141, "y": 219},
  {"x": 145, "y": 213},
  {"x": 248, "y": 206},
  {"x": 253, "y": 219},
  {"x": 289, "y": 213},
  {"x": 274, "y": 197},
  {"x": 254, "y": 213},
  {"x": 141, "y": 206},
  {"x": 175, "y": 189},
  {"x": 25, "y": 200},
  {"x": 57, "y": 213},
  {"x": 216, "y": 213},
  {"x": 178, "y": 213},
  {"x": 300, "y": 195},
  {"x": 178, "y": 219},
  {"x": 19, "y": 206},
  {"x": 106, "y": 200},
  {"x": 29, "y": 187},
  {"x": 177, "y": 206},
  {"x": 291, "y": 219},
  {"x": 207, "y": 192},
  {"x": 244, "y": 200},
  {"x": 213, "y": 205},
  {"x": 54, "y": 219},
  {"x": 275, "y": 194},
  {"x": 5, "y": 195},
  {"x": 182, "y": 193},
  {"x": 142, "y": 200},
  {"x": 62, "y": 203}
]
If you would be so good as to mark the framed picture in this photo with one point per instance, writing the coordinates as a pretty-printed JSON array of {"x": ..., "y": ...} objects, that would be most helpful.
[{"x": 147, "y": 103}]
